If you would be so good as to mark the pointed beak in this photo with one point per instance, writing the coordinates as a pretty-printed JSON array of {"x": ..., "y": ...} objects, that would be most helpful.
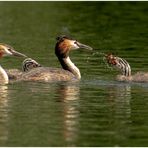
[
  {"x": 83, "y": 46},
  {"x": 17, "y": 54}
]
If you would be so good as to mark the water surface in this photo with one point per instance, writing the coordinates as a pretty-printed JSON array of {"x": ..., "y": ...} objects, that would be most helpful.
[{"x": 98, "y": 110}]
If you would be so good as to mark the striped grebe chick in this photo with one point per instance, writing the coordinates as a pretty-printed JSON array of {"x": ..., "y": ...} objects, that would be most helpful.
[
  {"x": 27, "y": 65},
  {"x": 68, "y": 72},
  {"x": 122, "y": 65},
  {"x": 6, "y": 50}
]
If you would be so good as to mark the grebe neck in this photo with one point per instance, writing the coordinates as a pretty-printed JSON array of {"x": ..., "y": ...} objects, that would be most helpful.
[
  {"x": 67, "y": 64},
  {"x": 3, "y": 75},
  {"x": 125, "y": 67},
  {"x": 127, "y": 71}
]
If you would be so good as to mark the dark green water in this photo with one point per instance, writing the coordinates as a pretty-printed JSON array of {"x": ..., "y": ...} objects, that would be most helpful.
[{"x": 98, "y": 111}]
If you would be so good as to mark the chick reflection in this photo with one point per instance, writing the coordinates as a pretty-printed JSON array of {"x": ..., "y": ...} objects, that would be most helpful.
[
  {"x": 69, "y": 96},
  {"x": 120, "y": 97},
  {"x": 3, "y": 113}
]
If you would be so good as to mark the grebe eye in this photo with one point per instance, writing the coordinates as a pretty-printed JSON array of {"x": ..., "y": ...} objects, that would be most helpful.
[
  {"x": 9, "y": 49},
  {"x": 75, "y": 42}
]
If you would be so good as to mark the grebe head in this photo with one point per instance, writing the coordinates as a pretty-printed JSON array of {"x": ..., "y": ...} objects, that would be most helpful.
[
  {"x": 6, "y": 50},
  {"x": 119, "y": 63},
  {"x": 111, "y": 59},
  {"x": 29, "y": 64},
  {"x": 65, "y": 44}
]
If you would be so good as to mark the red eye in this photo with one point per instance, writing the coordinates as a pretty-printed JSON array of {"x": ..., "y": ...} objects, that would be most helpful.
[{"x": 114, "y": 62}]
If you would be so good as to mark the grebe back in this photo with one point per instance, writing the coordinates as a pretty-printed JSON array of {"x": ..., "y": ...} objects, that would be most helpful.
[{"x": 27, "y": 64}]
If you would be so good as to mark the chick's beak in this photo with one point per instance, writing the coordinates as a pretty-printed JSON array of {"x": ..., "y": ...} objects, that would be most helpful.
[
  {"x": 17, "y": 54},
  {"x": 83, "y": 46}
]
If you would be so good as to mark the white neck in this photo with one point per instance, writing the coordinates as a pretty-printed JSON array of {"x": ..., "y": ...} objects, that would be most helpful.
[
  {"x": 3, "y": 76},
  {"x": 72, "y": 68}
]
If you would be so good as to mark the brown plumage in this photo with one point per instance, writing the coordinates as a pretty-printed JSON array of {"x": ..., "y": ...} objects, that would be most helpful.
[
  {"x": 69, "y": 72},
  {"x": 27, "y": 65}
]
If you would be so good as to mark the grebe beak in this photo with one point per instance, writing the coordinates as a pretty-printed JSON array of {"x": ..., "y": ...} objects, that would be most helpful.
[
  {"x": 83, "y": 46},
  {"x": 17, "y": 54}
]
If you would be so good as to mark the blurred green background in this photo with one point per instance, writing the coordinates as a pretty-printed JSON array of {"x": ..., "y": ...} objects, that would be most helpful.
[{"x": 96, "y": 112}]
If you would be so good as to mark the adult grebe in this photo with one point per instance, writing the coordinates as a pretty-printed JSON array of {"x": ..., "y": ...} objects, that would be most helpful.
[
  {"x": 6, "y": 50},
  {"x": 69, "y": 72},
  {"x": 125, "y": 68}
]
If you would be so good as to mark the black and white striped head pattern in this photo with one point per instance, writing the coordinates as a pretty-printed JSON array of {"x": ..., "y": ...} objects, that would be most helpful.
[
  {"x": 29, "y": 64},
  {"x": 119, "y": 63}
]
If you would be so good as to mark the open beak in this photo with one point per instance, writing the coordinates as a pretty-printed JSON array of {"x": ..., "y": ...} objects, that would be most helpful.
[
  {"x": 83, "y": 46},
  {"x": 17, "y": 54}
]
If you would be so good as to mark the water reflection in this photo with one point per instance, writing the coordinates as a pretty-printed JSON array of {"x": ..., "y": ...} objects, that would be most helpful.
[
  {"x": 22, "y": 118},
  {"x": 69, "y": 95},
  {"x": 119, "y": 98},
  {"x": 3, "y": 113}
]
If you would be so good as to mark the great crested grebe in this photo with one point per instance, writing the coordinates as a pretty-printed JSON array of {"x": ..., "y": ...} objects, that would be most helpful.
[
  {"x": 6, "y": 50},
  {"x": 69, "y": 72},
  {"x": 125, "y": 68}
]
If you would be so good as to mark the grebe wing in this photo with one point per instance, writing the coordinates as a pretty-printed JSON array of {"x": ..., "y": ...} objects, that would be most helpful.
[
  {"x": 13, "y": 73},
  {"x": 27, "y": 65},
  {"x": 47, "y": 74},
  {"x": 140, "y": 77}
]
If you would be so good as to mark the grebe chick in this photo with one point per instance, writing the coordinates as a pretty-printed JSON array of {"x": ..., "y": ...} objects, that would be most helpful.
[
  {"x": 69, "y": 72},
  {"x": 122, "y": 65},
  {"x": 6, "y": 50},
  {"x": 27, "y": 65}
]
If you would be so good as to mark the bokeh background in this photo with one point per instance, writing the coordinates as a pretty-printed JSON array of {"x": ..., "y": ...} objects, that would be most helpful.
[{"x": 98, "y": 111}]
